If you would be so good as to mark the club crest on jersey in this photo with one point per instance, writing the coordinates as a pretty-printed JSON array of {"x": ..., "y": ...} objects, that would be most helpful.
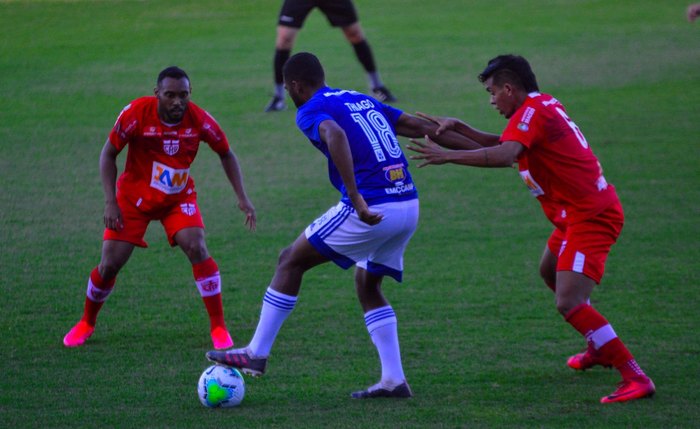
[
  {"x": 188, "y": 208},
  {"x": 168, "y": 180},
  {"x": 171, "y": 146}
]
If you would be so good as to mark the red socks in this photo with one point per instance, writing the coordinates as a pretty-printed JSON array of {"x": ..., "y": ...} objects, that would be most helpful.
[
  {"x": 602, "y": 338},
  {"x": 97, "y": 292},
  {"x": 208, "y": 280}
]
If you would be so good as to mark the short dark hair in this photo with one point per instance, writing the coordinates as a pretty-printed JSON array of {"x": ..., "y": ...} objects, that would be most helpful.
[
  {"x": 173, "y": 72},
  {"x": 510, "y": 68},
  {"x": 304, "y": 67}
]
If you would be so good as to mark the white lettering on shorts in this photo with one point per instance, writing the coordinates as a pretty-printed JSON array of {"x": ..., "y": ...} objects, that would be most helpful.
[{"x": 168, "y": 180}]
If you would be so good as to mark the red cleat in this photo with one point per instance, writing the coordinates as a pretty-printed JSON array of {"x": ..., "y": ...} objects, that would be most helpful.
[
  {"x": 78, "y": 335},
  {"x": 221, "y": 338},
  {"x": 631, "y": 389},
  {"x": 587, "y": 359}
]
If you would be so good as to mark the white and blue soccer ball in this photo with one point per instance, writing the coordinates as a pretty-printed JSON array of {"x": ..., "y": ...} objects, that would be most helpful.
[{"x": 221, "y": 387}]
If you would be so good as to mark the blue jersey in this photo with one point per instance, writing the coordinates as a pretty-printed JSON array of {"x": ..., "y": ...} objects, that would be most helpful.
[{"x": 381, "y": 169}]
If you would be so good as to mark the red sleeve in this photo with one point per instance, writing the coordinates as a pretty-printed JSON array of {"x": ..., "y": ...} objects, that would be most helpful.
[
  {"x": 524, "y": 126},
  {"x": 213, "y": 134},
  {"x": 124, "y": 128}
]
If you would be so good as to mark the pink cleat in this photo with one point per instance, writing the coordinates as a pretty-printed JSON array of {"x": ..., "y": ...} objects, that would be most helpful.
[
  {"x": 78, "y": 335},
  {"x": 221, "y": 338},
  {"x": 586, "y": 360},
  {"x": 631, "y": 389}
]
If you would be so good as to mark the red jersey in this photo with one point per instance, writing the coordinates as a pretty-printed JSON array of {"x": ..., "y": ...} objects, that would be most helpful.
[
  {"x": 557, "y": 164},
  {"x": 157, "y": 171}
]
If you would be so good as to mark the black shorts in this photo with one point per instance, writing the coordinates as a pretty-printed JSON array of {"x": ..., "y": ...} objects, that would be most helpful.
[{"x": 340, "y": 13}]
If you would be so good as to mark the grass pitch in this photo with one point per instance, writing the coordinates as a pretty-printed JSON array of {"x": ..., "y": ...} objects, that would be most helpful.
[{"x": 481, "y": 341}]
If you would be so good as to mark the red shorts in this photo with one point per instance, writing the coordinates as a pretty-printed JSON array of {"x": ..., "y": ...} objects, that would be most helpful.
[
  {"x": 175, "y": 217},
  {"x": 584, "y": 246}
]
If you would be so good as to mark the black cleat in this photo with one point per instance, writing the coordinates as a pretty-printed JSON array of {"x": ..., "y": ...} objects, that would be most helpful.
[
  {"x": 276, "y": 104},
  {"x": 241, "y": 359},
  {"x": 377, "y": 391},
  {"x": 383, "y": 94}
]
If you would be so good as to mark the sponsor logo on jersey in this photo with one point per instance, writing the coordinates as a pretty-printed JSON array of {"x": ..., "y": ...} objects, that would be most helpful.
[
  {"x": 151, "y": 132},
  {"x": 188, "y": 208},
  {"x": 523, "y": 126},
  {"x": 168, "y": 180},
  {"x": 400, "y": 189},
  {"x": 534, "y": 188},
  {"x": 210, "y": 130},
  {"x": 171, "y": 146},
  {"x": 188, "y": 133},
  {"x": 395, "y": 174},
  {"x": 124, "y": 133},
  {"x": 527, "y": 116}
]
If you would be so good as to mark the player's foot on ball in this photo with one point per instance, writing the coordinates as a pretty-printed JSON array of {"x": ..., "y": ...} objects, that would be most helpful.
[
  {"x": 276, "y": 104},
  {"x": 586, "y": 360},
  {"x": 631, "y": 389},
  {"x": 383, "y": 94},
  {"x": 379, "y": 391},
  {"x": 78, "y": 334},
  {"x": 241, "y": 359},
  {"x": 221, "y": 338}
]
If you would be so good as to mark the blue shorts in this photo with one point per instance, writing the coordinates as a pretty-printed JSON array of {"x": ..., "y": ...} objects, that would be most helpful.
[{"x": 342, "y": 237}]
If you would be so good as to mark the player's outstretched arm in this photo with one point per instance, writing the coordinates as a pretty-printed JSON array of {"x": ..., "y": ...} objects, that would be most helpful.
[
  {"x": 445, "y": 124},
  {"x": 414, "y": 126},
  {"x": 108, "y": 174},
  {"x": 233, "y": 172},
  {"x": 503, "y": 155}
]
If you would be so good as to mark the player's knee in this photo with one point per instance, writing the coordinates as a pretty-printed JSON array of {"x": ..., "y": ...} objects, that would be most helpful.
[
  {"x": 285, "y": 256},
  {"x": 550, "y": 279},
  {"x": 285, "y": 38},
  {"x": 109, "y": 269},
  {"x": 354, "y": 34},
  {"x": 196, "y": 251},
  {"x": 566, "y": 303}
]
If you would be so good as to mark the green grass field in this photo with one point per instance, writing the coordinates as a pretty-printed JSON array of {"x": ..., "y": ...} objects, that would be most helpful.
[{"x": 482, "y": 343}]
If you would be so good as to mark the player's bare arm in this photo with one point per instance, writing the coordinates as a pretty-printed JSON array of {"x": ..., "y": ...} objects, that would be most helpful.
[
  {"x": 229, "y": 162},
  {"x": 503, "y": 155},
  {"x": 414, "y": 126},
  {"x": 339, "y": 149},
  {"x": 108, "y": 174},
  {"x": 445, "y": 124}
]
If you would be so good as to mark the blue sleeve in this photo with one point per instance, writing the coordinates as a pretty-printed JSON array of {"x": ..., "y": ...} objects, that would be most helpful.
[
  {"x": 392, "y": 114},
  {"x": 308, "y": 120}
]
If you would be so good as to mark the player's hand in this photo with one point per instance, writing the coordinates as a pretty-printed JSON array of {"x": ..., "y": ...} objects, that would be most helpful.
[
  {"x": 363, "y": 212},
  {"x": 443, "y": 123},
  {"x": 247, "y": 207},
  {"x": 113, "y": 216},
  {"x": 429, "y": 152}
]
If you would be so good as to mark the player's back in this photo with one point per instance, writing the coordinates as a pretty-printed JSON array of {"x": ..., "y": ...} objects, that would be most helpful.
[{"x": 381, "y": 169}]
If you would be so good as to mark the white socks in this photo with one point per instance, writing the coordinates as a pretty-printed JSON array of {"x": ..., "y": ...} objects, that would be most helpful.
[
  {"x": 276, "y": 307},
  {"x": 383, "y": 329}
]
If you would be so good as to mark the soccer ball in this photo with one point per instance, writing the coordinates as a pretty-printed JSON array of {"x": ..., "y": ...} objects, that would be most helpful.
[{"x": 221, "y": 387}]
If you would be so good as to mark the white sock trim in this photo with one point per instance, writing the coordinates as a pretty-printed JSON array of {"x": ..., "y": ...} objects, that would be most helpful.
[
  {"x": 602, "y": 336},
  {"x": 96, "y": 294},
  {"x": 209, "y": 286}
]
